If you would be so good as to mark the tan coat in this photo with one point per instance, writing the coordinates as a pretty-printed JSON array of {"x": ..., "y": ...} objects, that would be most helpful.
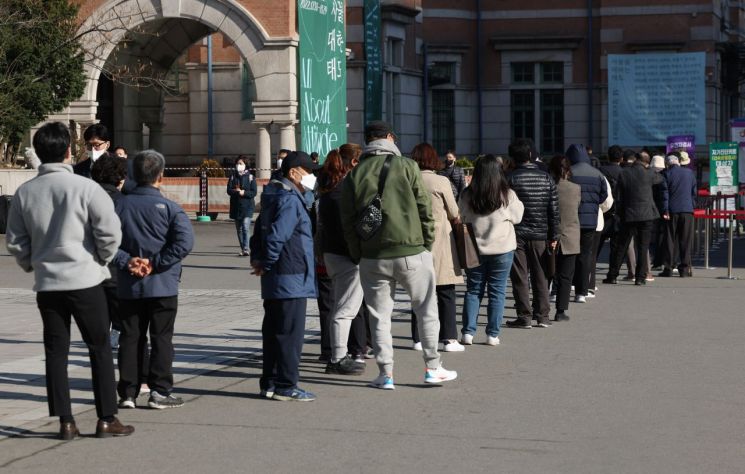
[
  {"x": 444, "y": 209},
  {"x": 570, "y": 195}
]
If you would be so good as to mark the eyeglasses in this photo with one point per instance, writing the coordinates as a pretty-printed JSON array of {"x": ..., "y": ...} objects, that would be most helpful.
[{"x": 95, "y": 145}]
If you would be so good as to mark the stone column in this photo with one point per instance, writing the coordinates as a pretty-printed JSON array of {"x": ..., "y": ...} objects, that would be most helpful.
[
  {"x": 156, "y": 136},
  {"x": 263, "y": 151},
  {"x": 287, "y": 136}
]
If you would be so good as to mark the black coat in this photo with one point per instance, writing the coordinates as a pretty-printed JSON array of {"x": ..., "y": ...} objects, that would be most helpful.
[
  {"x": 537, "y": 191},
  {"x": 457, "y": 179},
  {"x": 242, "y": 206},
  {"x": 635, "y": 193},
  {"x": 331, "y": 232}
]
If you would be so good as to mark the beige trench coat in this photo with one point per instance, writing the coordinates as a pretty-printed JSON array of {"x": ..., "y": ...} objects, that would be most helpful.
[{"x": 444, "y": 209}]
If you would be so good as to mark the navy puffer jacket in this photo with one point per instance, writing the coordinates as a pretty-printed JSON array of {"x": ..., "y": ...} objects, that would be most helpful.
[
  {"x": 592, "y": 182},
  {"x": 537, "y": 191}
]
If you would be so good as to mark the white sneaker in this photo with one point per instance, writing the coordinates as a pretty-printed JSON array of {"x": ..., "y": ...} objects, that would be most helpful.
[
  {"x": 552, "y": 299},
  {"x": 492, "y": 340},
  {"x": 580, "y": 299},
  {"x": 590, "y": 294},
  {"x": 439, "y": 375},
  {"x": 384, "y": 382},
  {"x": 453, "y": 346},
  {"x": 417, "y": 346},
  {"x": 467, "y": 339}
]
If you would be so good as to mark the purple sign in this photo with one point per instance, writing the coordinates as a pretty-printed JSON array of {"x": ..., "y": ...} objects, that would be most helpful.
[{"x": 686, "y": 143}]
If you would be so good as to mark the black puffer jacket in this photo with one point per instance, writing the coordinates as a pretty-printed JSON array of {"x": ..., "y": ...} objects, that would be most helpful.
[{"x": 537, "y": 191}]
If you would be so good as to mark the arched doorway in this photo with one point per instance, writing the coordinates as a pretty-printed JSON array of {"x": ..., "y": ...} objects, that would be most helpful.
[{"x": 122, "y": 35}]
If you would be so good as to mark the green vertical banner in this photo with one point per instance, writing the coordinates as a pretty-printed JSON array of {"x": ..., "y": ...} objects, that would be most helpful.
[
  {"x": 323, "y": 75},
  {"x": 723, "y": 167},
  {"x": 374, "y": 65}
]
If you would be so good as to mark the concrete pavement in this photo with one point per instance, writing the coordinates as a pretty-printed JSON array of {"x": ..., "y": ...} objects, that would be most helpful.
[{"x": 642, "y": 379}]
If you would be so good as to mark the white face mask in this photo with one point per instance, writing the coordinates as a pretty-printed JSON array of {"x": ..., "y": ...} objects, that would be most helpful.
[
  {"x": 279, "y": 163},
  {"x": 95, "y": 154},
  {"x": 240, "y": 168},
  {"x": 308, "y": 182}
]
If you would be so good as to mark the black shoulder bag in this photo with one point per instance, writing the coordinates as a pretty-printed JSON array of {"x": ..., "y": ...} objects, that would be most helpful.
[{"x": 371, "y": 218}]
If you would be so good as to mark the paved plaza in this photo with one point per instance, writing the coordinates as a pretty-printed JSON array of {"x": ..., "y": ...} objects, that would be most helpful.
[{"x": 642, "y": 379}]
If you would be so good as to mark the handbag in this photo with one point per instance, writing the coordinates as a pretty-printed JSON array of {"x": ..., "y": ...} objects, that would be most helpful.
[
  {"x": 468, "y": 251},
  {"x": 371, "y": 217}
]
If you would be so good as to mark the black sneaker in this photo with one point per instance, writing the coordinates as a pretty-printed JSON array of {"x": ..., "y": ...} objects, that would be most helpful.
[
  {"x": 544, "y": 324},
  {"x": 346, "y": 366},
  {"x": 610, "y": 281},
  {"x": 160, "y": 402},
  {"x": 561, "y": 316},
  {"x": 519, "y": 323},
  {"x": 640, "y": 282},
  {"x": 665, "y": 273}
]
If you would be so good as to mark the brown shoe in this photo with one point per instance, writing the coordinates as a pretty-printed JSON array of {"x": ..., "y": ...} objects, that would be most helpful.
[
  {"x": 68, "y": 431},
  {"x": 106, "y": 429}
]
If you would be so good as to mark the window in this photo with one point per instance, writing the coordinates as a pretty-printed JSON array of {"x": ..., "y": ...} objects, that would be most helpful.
[
  {"x": 552, "y": 73},
  {"x": 523, "y": 73},
  {"x": 443, "y": 120},
  {"x": 552, "y": 120},
  {"x": 523, "y": 114},
  {"x": 441, "y": 73},
  {"x": 394, "y": 52},
  {"x": 537, "y": 104}
]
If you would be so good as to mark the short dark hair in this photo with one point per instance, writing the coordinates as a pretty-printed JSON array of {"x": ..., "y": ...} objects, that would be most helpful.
[
  {"x": 51, "y": 142},
  {"x": 520, "y": 150},
  {"x": 97, "y": 130},
  {"x": 629, "y": 153},
  {"x": 147, "y": 166},
  {"x": 426, "y": 157},
  {"x": 643, "y": 158},
  {"x": 109, "y": 169},
  {"x": 284, "y": 151},
  {"x": 615, "y": 154},
  {"x": 119, "y": 148}
]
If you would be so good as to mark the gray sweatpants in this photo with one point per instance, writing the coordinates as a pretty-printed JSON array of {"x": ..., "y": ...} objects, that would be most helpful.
[
  {"x": 345, "y": 276},
  {"x": 417, "y": 275}
]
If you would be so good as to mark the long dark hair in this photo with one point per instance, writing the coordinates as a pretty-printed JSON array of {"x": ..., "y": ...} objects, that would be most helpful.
[
  {"x": 560, "y": 168},
  {"x": 488, "y": 190}
]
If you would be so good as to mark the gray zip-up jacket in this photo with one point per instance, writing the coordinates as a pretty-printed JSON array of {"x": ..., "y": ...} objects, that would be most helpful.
[{"x": 63, "y": 228}]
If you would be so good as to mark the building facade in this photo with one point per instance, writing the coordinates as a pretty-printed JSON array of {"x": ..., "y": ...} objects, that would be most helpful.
[{"x": 468, "y": 75}]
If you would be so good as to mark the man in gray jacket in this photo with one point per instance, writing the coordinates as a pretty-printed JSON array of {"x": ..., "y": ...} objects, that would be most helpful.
[{"x": 63, "y": 228}]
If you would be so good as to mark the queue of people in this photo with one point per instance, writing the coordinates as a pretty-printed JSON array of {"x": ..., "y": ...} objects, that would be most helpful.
[
  {"x": 362, "y": 224},
  {"x": 543, "y": 225}
]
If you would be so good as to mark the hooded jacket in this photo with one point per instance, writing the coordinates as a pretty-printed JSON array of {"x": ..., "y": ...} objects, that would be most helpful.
[
  {"x": 282, "y": 243},
  {"x": 408, "y": 225},
  {"x": 592, "y": 182}
]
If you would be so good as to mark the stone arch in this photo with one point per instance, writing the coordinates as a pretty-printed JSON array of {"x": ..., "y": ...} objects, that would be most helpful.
[{"x": 272, "y": 60}]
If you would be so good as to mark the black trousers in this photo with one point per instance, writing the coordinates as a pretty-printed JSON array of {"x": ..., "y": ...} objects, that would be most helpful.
[
  {"x": 357, "y": 342},
  {"x": 156, "y": 315},
  {"x": 325, "y": 302},
  {"x": 641, "y": 232},
  {"x": 447, "y": 312},
  {"x": 565, "y": 265},
  {"x": 658, "y": 245},
  {"x": 584, "y": 261},
  {"x": 112, "y": 300},
  {"x": 679, "y": 241},
  {"x": 88, "y": 307},
  {"x": 529, "y": 271},
  {"x": 282, "y": 333}
]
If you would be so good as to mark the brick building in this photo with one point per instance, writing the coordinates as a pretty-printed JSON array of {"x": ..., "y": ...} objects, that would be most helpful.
[{"x": 462, "y": 74}]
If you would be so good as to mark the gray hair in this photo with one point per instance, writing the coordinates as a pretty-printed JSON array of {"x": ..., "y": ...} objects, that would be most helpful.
[{"x": 147, "y": 166}]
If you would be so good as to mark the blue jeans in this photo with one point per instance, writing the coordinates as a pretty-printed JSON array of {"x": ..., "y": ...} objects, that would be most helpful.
[
  {"x": 492, "y": 275},
  {"x": 242, "y": 226}
]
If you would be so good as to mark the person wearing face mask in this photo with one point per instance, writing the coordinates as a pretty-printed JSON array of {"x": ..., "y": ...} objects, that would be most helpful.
[
  {"x": 97, "y": 142},
  {"x": 282, "y": 255},
  {"x": 242, "y": 191},
  {"x": 454, "y": 174}
]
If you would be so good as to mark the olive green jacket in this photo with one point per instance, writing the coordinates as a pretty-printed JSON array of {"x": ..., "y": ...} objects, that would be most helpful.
[{"x": 408, "y": 226}]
